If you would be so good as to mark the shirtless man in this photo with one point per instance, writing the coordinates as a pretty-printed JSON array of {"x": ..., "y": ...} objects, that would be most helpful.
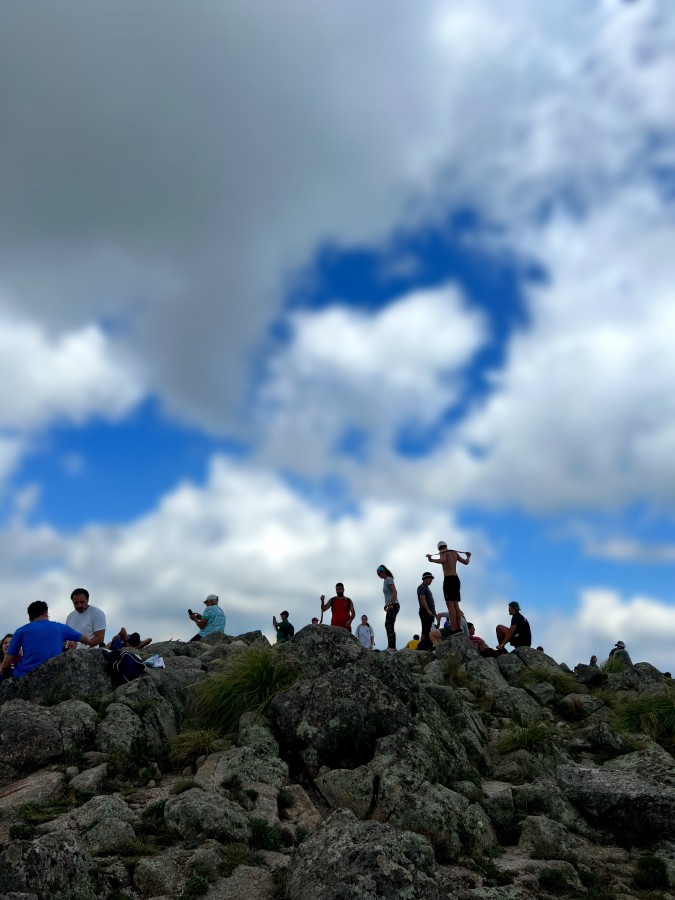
[{"x": 451, "y": 584}]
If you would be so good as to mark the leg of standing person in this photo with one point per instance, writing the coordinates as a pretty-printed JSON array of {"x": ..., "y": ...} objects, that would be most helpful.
[
  {"x": 426, "y": 620},
  {"x": 389, "y": 623},
  {"x": 451, "y": 593}
]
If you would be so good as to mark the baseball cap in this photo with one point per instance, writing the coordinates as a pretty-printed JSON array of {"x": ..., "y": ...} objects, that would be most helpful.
[
  {"x": 442, "y": 545},
  {"x": 380, "y": 570},
  {"x": 211, "y": 597},
  {"x": 620, "y": 645},
  {"x": 515, "y": 605},
  {"x": 426, "y": 575}
]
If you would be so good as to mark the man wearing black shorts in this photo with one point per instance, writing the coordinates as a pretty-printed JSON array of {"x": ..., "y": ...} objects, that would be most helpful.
[{"x": 451, "y": 584}]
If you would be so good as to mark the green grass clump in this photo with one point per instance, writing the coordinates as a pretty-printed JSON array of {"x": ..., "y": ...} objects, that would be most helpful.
[
  {"x": 152, "y": 819},
  {"x": 612, "y": 666},
  {"x": 533, "y": 738},
  {"x": 650, "y": 873},
  {"x": 186, "y": 748},
  {"x": 653, "y": 716},
  {"x": 21, "y": 831},
  {"x": 554, "y": 881},
  {"x": 249, "y": 684},
  {"x": 265, "y": 836},
  {"x": 196, "y": 886},
  {"x": 37, "y": 813},
  {"x": 236, "y": 855}
]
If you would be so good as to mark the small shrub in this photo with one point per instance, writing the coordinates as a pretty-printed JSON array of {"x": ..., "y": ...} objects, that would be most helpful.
[
  {"x": 598, "y": 886},
  {"x": 236, "y": 855},
  {"x": 152, "y": 818},
  {"x": 265, "y": 836},
  {"x": 554, "y": 881},
  {"x": 612, "y": 666},
  {"x": 21, "y": 831},
  {"x": 248, "y": 684},
  {"x": 205, "y": 869},
  {"x": 650, "y": 873},
  {"x": 533, "y": 738},
  {"x": 653, "y": 716},
  {"x": 73, "y": 756},
  {"x": 253, "y": 795},
  {"x": 186, "y": 748},
  {"x": 453, "y": 672},
  {"x": 196, "y": 886}
]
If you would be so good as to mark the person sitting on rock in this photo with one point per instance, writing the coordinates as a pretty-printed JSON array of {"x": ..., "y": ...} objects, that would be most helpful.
[
  {"x": 211, "y": 622},
  {"x": 435, "y": 635},
  {"x": 619, "y": 652},
  {"x": 341, "y": 607},
  {"x": 365, "y": 634},
  {"x": 594, "y": 662},
  {"x": 122, "y": 640},
  {"x": 86, "y": 618},
  {"x": 518, "y": 634},
  {"x": 284, "y": 629},
  {"x": 414, "y": 643},
  {"x": 39, "y": 640}
]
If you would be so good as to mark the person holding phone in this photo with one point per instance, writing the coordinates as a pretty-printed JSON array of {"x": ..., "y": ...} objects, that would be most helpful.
[{"x": 212, "y": 620}]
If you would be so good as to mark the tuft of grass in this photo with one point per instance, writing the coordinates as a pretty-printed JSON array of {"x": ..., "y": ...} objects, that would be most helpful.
[
  {"x": 182, "y": 785},
  {"x": 533, "y": 738},
  {"x": 186, "y": 748},
  {"x": 248, "y": 684},
  {"x": 236, "y": 855},
  {"x": 598, "y": 886},
  {"x": 653, "y": 716},
  {"x": 554, "y": 881},
  {"x": 453, "y": 673},
  {"x": 21, "y": 831},
  {"x": 196, "y": 886},
  {"x": 152, "y": 818},
  {"x": 612, "y": 666},
  {"x": 563, "y": 683},
  {"x": 650, "y": 873},
  {"x": 265, "y": 836},
  {"x": 37, "y": 813},
  {"x": 494, "y": 877}
]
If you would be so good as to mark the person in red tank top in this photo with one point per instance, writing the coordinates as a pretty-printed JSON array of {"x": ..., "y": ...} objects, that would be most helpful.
[{"x": 341, "y": 607}]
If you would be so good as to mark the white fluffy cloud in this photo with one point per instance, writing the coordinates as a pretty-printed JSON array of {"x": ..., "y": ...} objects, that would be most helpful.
[
  {"x": 46, "y": 378},
  {"x": 375, "y": 372}
]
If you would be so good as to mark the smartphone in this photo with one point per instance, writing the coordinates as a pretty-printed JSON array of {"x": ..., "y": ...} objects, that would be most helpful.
[{"x": 190, "y": 613}]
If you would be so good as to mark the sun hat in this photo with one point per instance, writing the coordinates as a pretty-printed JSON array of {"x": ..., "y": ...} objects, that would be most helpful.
[
  {"x": 212, "y": 597},
  {"x": 620, "y": 645},
  {"x": 426, "y": 575}
]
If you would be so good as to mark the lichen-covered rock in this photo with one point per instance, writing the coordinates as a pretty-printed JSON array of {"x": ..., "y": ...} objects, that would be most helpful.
[
  {"x": 579, "y": 706},
  {"x": 77, "y": 721},
  {"x": 346, "y": 859},
  {"x": 243, "y": 884},
  {"x": 76, "y": 675},
  {"x": 352, "y": 789},
  {"x": 600, "y": 738},
  {"x": 255, "y": 732},
  {"x": 478, "y": 835},
  {"x": 543, "y": 692},
  {"x": 301, "y": 812},
  {"x": 497, "y": 801},
  {"x": 50, "y": 863},
  {"x": 30, "y": 735},
  {"x": 120, "y": 729},
  {"x": 155, "y": 712},
  {"x": 196, "y": 812},
  {"x": 104, "y": 823},
  {"x": 39, "y": 787},
  {"x": 317, "y": 650},
  {"x": 435, "y": 812},
  {"x": 336, "y": 719},
  {"x": 541, "y": 662},
  {"x": 545, "y": 836},
  {"x": 511, "y": 667},
  {"x": 651, "y": 763},
  {"x": 516, "y": 704},
  {"x": 90, "y": 781},
  {"x": 155, "y": 875},
  {"x": 231, "y": 768}
]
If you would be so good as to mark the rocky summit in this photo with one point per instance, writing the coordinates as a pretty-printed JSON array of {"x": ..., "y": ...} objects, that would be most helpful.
[{"x": 317, "y": 770}]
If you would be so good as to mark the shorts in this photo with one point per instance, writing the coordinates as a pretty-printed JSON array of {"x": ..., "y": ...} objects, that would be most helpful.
[{"x": 451, "y": 585}]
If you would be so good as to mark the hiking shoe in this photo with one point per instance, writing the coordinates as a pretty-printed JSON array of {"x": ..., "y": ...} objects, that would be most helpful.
[{"x": 391, "y": 650}]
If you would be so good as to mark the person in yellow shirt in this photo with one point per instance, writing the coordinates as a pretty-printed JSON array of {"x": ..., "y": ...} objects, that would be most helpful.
[{"x": 412, "y": 645}]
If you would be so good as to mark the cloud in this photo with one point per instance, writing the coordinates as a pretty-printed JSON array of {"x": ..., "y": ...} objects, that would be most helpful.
[
  {"x": 375, "y": 372},
  {"x": 245, "y": 535},
  {"x": 46, "y": 378},
  {"x": 174, "y": 168},
  {"x": 621, "y": 549}
]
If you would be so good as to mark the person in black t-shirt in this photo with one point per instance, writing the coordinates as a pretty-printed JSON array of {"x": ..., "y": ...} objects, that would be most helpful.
[{"x": 518, "y": 634}]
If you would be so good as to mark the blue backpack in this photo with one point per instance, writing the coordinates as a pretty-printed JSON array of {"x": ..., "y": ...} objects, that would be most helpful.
[{"x": 124, "y": 666}]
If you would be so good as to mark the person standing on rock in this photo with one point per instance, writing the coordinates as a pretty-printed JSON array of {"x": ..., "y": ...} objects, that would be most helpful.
[
  {"x": 39, "y": 641},
  {"x": 365, "y": 634},
  {"x": 341, "y": 607},
  {"x": 211, "y": 621},
  {"x": 518, "y": 634},
  {"x": 427, "y": 606},
  {"x": 87, "y": 619},
  {"x": 448, "y": 559},
  {"x": 284, "y": 629},
  {"x": 391, "y": 606}
]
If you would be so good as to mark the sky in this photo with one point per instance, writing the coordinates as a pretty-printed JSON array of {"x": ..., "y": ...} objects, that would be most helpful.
[{"x": 290, "y": 292}]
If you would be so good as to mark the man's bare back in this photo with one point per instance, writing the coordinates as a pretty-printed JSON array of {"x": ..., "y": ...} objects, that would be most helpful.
[{"x": 448, "y": 559}]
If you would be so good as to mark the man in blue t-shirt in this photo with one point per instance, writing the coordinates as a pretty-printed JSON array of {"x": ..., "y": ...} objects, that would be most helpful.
[
  {"x": 210, "y": 621},
  {"x": 39, "y": 641}
]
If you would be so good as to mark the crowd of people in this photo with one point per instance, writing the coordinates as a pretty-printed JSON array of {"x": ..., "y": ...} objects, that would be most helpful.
[{"x": 41, "y": 639}]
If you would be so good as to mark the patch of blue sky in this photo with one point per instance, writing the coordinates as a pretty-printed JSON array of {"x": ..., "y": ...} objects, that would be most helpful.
[
  {"x": 330, "y": 495},
  {"x": 115, "y": 472}
]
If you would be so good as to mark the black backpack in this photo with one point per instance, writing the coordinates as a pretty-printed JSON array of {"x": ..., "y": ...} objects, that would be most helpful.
[{"x": 123, "y": 666}]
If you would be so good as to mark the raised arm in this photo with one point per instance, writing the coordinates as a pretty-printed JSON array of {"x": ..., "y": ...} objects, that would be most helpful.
[
  {"x": 467, "y": 554},
  {"x": 439, "y": 560},
  {"x": 326, "y": 605}
]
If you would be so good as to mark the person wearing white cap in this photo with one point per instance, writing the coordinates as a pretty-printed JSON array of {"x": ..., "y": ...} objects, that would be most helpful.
[
  {"x": 619, "y": 651},
  {"x": 210, "y": 621},
  {"x": 448, "y": 559}
]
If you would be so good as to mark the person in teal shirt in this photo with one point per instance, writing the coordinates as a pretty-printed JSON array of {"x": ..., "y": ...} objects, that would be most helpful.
[
  {"x": 284, "y": 629},
  {"x": 212, "y": 620}
]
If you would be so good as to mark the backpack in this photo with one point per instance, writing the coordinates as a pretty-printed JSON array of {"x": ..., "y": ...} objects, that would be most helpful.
[{"x": 123, "y": 666}]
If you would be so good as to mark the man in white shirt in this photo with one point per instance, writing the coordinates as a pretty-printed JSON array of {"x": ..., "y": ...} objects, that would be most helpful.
[{"x": 86, "y": 619}]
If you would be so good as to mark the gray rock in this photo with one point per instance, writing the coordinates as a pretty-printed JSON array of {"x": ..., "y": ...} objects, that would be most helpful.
[
  {"x": 104, "y": 823},
  {"x": 76, "y": 675},
  {"x": 164, "y": 649},
  {"x": 196, "y": 812},
  {"x": 255, "y": 732},
  {"x": 120, "y": 729},
  {"x": 77, "y": 721},
  {"x": 545, "y": 836},
  {"x": 174, "y": 685},
  {"x": 543, "y": 692},
  {"x": 264, "y": 802},
  {"x": 301, "y": 812},
  {"x": 579, "y": 706},
  {"x": 600, "y": 738},
  {"x": 352, "y": 789},
  {"x": 336, "y": 719},
  {"x": 316, "y": 650},
  {"x": 590, "y": 676},
  {"x": 435, "y": 812},
  {"x": 245, "y": 882},
  {"x": 346, "y": 859},
  {"x": 30, "y": 735},
  {"x": 238, "y": 765},
  {"x": 478, "y": 835},
  {"x": 511, "y": 667},
  {"x": 541, "y": 662},
  {"x": 155, "y": 711},
  {"x": 90, "y": 781},
  {"x": 50, "y": 863},
  {"x": 651, "y": 763},
  {"x": 39, "y": 787},
  {"x": 497, "y": 801},
  {"x": 544, "y": 797},
  {"x": 154, "y": 875},
  {"x": 516, "y": 704}
]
